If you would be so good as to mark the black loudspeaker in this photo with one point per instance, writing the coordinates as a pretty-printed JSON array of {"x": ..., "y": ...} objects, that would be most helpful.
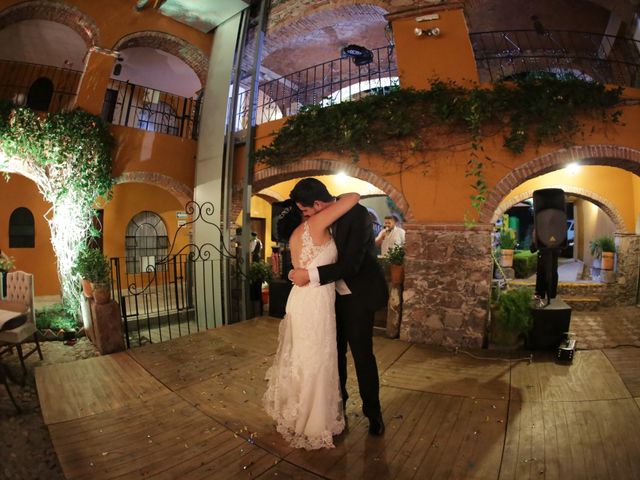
[
  {"x": 278, "y": 295},
  {"x": 276, "y": 210},
  {"x": 550, "y": 218},
  {"x": 550, "y": 326}
]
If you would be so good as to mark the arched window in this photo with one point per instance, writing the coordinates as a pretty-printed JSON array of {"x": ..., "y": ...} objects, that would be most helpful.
[
  {"x": 22, "y": 231},
  {"x": 146, "y": 242},
  {"x": 40, "y": 94}
]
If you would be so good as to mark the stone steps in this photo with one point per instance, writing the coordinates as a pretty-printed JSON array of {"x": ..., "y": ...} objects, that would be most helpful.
[{"x": 578, "y": 303}]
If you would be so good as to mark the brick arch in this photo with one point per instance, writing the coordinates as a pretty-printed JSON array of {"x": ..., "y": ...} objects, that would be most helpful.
[
  {"x": 625, "y": 158},
  {"x": 58, "y": 12},
  {"x": 290, "y": 18},
  {"x": 306, "y": 168},
  {"x": 179, "y": 190},
  {"x": 188, "y": 53},
  {"x": 583, "y": 193}
]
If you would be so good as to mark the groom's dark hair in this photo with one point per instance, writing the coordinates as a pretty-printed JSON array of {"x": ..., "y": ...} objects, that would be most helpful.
[{"x": 308, "y": 190}]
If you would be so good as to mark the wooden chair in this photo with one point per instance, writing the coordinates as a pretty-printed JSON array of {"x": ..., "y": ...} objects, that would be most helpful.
[{"x": 20, "y": 291}]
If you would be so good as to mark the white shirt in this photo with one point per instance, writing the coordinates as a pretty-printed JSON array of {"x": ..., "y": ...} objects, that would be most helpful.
[{"x": 394, "y": 237}]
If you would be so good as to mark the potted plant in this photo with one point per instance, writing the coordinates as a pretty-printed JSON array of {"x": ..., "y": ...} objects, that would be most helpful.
[
  {"x": 93, "y": 267},
  {"x": 395, "y": 257},
  {"x": 604, "y": 248},
  {"x": 511, "y": 317},
  {"x": 507, "y": 244},
  {"x": 259, "y": 272}
]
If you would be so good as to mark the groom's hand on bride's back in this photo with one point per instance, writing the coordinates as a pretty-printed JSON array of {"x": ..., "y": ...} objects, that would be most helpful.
[{"x": 299, "y": 276}]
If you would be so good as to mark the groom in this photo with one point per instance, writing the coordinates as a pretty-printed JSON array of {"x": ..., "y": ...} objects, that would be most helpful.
[{"x": 361, "y": 290}]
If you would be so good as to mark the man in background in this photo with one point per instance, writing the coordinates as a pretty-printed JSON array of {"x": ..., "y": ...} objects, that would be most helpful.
[
  {"x": 255, "y": 247},
  {"x": 390, "y": 235}
]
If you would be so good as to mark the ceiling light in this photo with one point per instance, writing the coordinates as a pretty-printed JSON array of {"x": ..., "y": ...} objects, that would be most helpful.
[{"x": 573, "y": 168}]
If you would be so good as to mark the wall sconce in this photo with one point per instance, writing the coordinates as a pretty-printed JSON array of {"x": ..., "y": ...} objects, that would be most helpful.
[{"x": 427, "y": 32}]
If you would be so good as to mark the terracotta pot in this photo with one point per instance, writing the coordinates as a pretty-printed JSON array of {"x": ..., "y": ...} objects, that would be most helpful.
[
  {"x": 607, "y": 261},
  {"x": 86, "y": 288},
  {"x": 506, "y": 258},
  {"x": 101, "y": 292},
  {"x": 397, "y": 274}
]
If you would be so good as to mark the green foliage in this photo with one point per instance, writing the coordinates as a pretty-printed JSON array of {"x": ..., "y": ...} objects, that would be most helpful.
[
  {"x": 92, "y": 265},
  {"x": 533, "y": 110},
  {"x": 514, "y": 312},
  {"x": 75, "y": 147},
  {"x": 260, "y": 272},
  {"x": 507, "y": 240},
  {"x": 525, "y": 264},
  {"x": 69, "y": 157},
  {"x": 56, "y": 317},
  {"x": 395, "y": 255},
  {"x": 605, "y": 243}
]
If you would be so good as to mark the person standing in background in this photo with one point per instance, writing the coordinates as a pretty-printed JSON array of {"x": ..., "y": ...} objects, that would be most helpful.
[
  {"x": 255, "y": 247},
  {"x": 390, "y": 235}
]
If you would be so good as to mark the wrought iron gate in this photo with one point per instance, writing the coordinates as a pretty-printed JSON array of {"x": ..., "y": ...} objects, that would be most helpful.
[{"x": 161, "y": 299}]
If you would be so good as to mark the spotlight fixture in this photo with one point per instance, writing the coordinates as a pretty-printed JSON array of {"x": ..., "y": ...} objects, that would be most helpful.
[
  {"x": 427, "y": 32},
  {"x": 360, "y": 55}
]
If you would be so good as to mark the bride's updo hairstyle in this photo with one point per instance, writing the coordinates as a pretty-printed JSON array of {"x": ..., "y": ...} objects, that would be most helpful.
[{"x": 288, "y": 220}]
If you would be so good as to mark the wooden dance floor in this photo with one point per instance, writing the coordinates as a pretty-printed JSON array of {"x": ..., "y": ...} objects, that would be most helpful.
[{"x": 190, "y": 408}]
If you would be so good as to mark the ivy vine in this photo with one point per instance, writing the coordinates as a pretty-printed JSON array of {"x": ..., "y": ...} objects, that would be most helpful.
[
  {"x": 532, "y": 110},
  {"x": 69, "y": 157}
]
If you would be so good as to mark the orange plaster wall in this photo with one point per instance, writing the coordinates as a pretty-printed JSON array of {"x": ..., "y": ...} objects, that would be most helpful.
[
  {"x": 118, "y": 18},
  {"x": 129, "y": 200},
  {"x": 441, "y": 195},
  {"x": 22, "y": 192},
  {"x": 636, "y": 202},
  {"x": 139, "y": 150},
  {"x": 421, "y": 59},
  {"x": 613, "y": 184}
]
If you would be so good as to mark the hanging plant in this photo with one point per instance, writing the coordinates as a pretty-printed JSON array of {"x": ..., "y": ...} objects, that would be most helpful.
[
  {"x": 533, "y": 110},
  {"x": 69, "y": 156}
]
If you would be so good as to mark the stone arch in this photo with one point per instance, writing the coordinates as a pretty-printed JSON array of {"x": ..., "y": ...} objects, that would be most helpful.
[
  {"x": 583, "y": 193},
  {"x": 179, "y": 190},
  {"x": 305, "y": 168},
  {"x": 625, "y": 158},
  {"x": 188, "y": 53},
  {"x": 58, "y": 12}
]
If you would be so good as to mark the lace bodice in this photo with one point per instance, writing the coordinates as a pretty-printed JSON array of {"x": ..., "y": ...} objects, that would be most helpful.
[{"x": 315, "y": 255}]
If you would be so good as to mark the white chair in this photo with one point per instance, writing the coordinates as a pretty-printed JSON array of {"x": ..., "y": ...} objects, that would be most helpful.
[{"x": 20, "y": 290}]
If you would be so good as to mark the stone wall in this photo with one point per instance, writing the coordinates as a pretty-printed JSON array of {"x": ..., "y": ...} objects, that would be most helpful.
[
  {"x": 447, "y": 284},
  {"x": 628, "y": 264}
]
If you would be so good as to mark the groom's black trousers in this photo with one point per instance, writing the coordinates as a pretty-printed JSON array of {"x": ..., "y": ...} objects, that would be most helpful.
[{"x": 354, "y": 322}]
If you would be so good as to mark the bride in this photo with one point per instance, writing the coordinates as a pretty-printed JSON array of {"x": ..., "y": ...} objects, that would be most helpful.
[{"x": 303, "y": 394}]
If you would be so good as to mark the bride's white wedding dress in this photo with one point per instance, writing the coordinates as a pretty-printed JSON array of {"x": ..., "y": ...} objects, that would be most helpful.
[{"x": 303, "y": 394}]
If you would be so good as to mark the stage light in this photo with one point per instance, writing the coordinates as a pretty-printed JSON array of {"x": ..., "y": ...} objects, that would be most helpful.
[{"x": 427, "y": 32}]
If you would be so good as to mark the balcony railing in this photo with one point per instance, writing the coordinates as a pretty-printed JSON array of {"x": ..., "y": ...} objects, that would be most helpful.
[
  {"x": 41, "y": 87},
  {"x": 603, "y": 58},
  {"x": 324, "y": 84},
  {"x": 144, "y": 108}
]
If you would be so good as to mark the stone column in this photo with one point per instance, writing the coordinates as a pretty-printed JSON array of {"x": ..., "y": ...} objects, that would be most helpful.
[
  {"x": 628, "y": 264},
  {"x": 95, "y": 79},
  {"x": 447, "y": 284}
]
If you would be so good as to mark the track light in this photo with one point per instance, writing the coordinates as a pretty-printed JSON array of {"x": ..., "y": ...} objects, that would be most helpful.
[{"x": 427, "y": 32}]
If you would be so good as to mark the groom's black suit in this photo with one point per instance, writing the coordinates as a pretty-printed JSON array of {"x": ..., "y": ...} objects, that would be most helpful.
[{"x": 358, "y": 267}]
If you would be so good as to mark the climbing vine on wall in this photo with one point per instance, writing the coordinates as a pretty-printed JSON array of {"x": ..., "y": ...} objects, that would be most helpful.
[
  {"x": 404, "y": 125},
  {"x": 69, "y": 156}
]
